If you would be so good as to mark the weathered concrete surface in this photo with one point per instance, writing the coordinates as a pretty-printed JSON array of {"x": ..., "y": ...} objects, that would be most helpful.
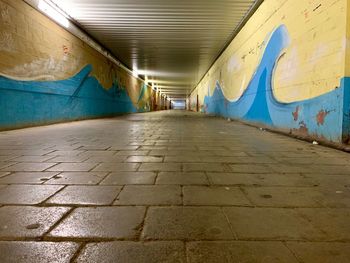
[
  {"x": 170, "y": 186},
  {"x": 40, "y": 252},
  {"x": 134, "y": 252}
]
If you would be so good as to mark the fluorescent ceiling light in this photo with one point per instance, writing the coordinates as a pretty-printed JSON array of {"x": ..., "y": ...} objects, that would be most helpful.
[
  {"x": 135, "y": 72},
  {"x": 53, "y": 13},
  {"x": 162, "y": 73}
]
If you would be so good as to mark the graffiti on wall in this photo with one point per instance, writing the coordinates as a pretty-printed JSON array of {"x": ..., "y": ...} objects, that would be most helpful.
[
  {"x": 321, "y": 116},
  {"x": 48, "y": 75},
  {"x": 26, "y": 103}
]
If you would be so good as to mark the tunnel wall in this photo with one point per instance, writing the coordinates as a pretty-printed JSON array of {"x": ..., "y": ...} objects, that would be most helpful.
[
  {"x": 48, "y": 75},
  {"x": 285, "y": 70}
]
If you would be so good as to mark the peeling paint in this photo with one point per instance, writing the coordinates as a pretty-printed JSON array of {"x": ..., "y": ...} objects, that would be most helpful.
[
  {"x": 320, "y": 117},
  {"x": 303, "y": 127},
  {"x": 65, "y": 49},
  {"x": 296, "y": 113}
]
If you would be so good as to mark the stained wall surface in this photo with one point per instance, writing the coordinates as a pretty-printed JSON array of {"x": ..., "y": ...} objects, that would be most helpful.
[
  {"x": 286, "y": 69},
  {"x": 48, "y": 75}
]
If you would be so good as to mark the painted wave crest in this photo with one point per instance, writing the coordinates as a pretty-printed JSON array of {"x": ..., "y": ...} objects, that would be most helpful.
[{"x": 321, "y": 116}]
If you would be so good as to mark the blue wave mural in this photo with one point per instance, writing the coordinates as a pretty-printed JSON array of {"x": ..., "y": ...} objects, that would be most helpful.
[
  {"x": 27, "y": 103},
  {"x": 323, "y": 117}
]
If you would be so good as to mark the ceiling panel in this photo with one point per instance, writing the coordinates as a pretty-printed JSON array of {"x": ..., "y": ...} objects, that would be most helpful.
[{"x": 171, "y": 41}]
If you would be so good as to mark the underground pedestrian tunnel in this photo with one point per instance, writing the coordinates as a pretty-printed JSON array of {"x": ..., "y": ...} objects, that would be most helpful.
[{"x": 175, "y": 131}]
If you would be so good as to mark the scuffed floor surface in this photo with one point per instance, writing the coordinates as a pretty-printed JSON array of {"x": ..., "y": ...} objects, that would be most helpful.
[{"x": 170, "y": 187}]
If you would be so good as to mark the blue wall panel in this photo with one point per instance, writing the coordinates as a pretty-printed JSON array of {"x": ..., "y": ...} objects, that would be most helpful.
[{"x": 27, "y": 103}]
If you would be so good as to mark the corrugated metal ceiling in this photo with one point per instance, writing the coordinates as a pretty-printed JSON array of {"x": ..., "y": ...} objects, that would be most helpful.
[{"x": 173, "y": 42}]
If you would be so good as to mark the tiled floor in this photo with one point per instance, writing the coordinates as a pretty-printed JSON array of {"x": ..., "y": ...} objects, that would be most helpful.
[{"x": 170, "y": 187}]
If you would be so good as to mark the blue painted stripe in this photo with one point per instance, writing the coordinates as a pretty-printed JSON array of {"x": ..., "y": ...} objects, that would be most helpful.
[{"x": 27, "y": 103}]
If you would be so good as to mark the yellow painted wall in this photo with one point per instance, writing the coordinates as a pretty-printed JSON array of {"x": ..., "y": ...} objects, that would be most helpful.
[
  {"x": 347, "y": 41},
  {"x": 193, "y": 101},
  {"x": 312, "y": 65},
  {"x": 158, "y": 101},
  {"x": 32, "y": 47}
]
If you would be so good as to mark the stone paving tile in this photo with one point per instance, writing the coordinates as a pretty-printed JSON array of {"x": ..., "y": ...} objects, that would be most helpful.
[
  {"x": 252, "y": 168},
  {"x": 239, "y": 251},
  {"x": 206, "y": 167},
  {"x": 28, "y": 167},
  {"x": 283, "y": 196},
  {"x": 239, "y": 160},
  {"x": 256, "y": 160},
  {"x": 162, "y": 167},
  {"x": 4, "y": 158},
  {"x": 27, "y": 194},
  {"x": 182, "y": 148},
  {"x": 273, "y": 170},
  {"x": 294, "y": 154},
  {"x": 334, "y": 222},
  {"x": 77, "y": 178},
  {"x": 30, "y": 152},
  {"x": 38, "y": 252},
  {"x": 261, "y": 179},
  {"x": 87, "y": 223},
  {"x": 122, "y": 178},
  {"x": 66, "y": 153},
  {"x": 129, "y": 153},
  {"x": 95, "y": 147},
  {"x": 117, "y": 167},
  {"x": 73, "y": 167},
  {"x": 144, "y": 159},
  {"x": 328, "y": 169},
  {"x": 211, "y": 148},
  {"x": 293, "y": 179},
  {"x": 151, "y": 148},
  {"x": 150, "y": 195},
  {"x": 326, "y": 180},
  {"x": 32, "y": 158},
  {"x": 186, "y": 223},
  {"x": 238, "y": 153},
  {"x": 27, "y": 178},
  {"x": 106, "y": 159},
  {"x": 271, "y": 224},
  {"x": 68, "y": 159},
  {"x": 63, "y": 147},
  {"x": 2, "y": 174},
  {"x": 330, "y": 153},
  {"x": 140, "y": 143},
  {"x": 176, "y": 153},
  {"x": 219, "y": 159},
  {"x": 85, "y": 195},
  {"x": 219, "y": 196},
  {"x": 133, "y": 252},
  {"x": 235, "y": 179},
  {"x": 180, "y": 178},
  {"x": 287, "y": 168},
  {"x": 98, "y": 153},
  {"x": 325, "y": 252},
  {"x": 124, "y": 148},
  {"x": 182, "y": 159},
  {"x": 334, "y": 196},
  {"x": 26, "y": 221},
  {"x": 299, "y": 196},
  {"x": 313, "y": 160}
]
